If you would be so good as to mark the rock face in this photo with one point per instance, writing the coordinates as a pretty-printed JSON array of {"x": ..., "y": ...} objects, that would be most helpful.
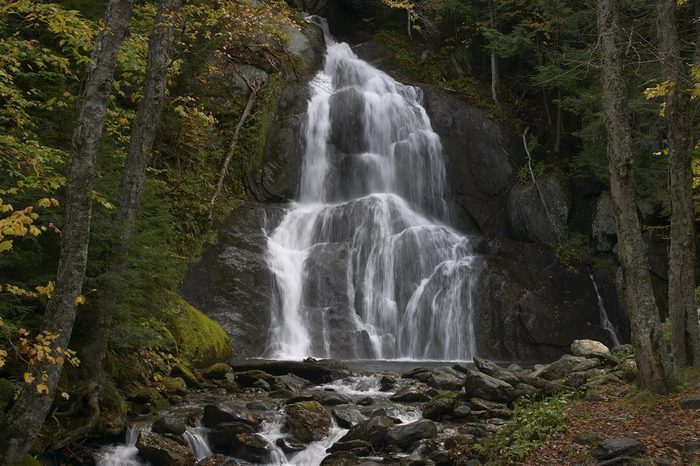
[
  {"x": 603, "y": 225},
  {"x": 232, "y": 283},
  {"x": 528, "y": 217},
  {"x": 479, "y": 156}
]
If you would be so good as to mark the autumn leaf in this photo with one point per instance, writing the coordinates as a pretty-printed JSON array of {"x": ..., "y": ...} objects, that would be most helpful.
[
  {"x": 80, "y": 299},
  {"x": 42, "y": 388},
  {"x": 28, "y": 378}
]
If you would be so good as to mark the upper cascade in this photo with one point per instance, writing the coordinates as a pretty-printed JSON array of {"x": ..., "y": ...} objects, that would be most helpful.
[{"x": 365, "y": 265}]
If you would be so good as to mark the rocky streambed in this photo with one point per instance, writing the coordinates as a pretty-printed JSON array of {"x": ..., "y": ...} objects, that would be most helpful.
[{"x": 322, "y": 412}]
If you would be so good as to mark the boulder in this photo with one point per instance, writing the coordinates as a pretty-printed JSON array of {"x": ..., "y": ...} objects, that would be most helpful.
[
  {"x": 174, "y": 385},
  {"x": 691, "y": 402},
  {"x": 618, "y": 446},
  {"x": 251, "y": 447},
  {"x": 162, "y": 451},
  {"x": 290, "y": 444},
  {"x": 357, "y": 447},
  {"x": 249, "y": 378},
  {"x": 169, "y": 424},
  {"x": 406, "y": 435},
  {"x": 442, "y": 378},
  {"x": 216, "y": 371},
  {"x": 218, "y": 460},
  {"x": 440, "y": 405},
  {"x": 313, "y": 371},
  {"x": 410, "y": 393},
  {"x": 221, "y": 437},
  {"x": 588, "y": 348},
  {"x": 374, "y": 430},
  {"x": 492, "y": 369},
  {"x": 332, "y": 398},
  {"x": 478, "y": 384},
  {"x": 528, "y": 217},
  {"x": 213, "y": 416},
  {"x": 348, "y": 417},
  {"x": 560, "y": 368},
  {"x": 180, "y": 370},
  {"x": 308, "y": 421}
]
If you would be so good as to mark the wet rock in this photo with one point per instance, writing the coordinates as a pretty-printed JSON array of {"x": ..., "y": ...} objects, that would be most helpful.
[
  {"x": 406, "y": 435},
  {"x": 222, "y": 436},
  {"x": 461, "y": 411},
  {"x": 492, "y": 369},
  {"x": 218, "y": 460},
  {"x": 443, "y": 379},
  {"x": 341, "y": 458},
  {"x": 691, "y": 402},
  {"x": 169, "y": 424},
  {"x": 258, "y": 406},
  {"x": 291, "y": 382},
  {"x": 161, "y": 451},
  {"x": 439, "y": 406},
  {"x": 282, "y": 393},
  {"x": 373, "y": 430},
  {"x": 346, "y": 114},
  {"x": 216, "y": 371},
  {"x": 603, "y": 225},
  {"x": 618, "y": 446},
  {"x": 290, "y": 444},
  {"x": 251, "y": 447},
  {"x": 213, "y": 416},
  {"x": 261, "y": 385},
  {"x": 332, "y": 398},
  {"x": 180, "y": 370},
  {"x": 480, "y": 385},
  {"x": 357, "y": 447},
  {"x": 249, "y": 378},
  {"x": 387, "y": 383},
  {"x": 366, "y": 401},
  {"x": 314, "y": 371},
  {"x": 348, "y": 417},
  {"x": 308, "y": 421},
  {"x": 410, "y": 393},
  {"x": 588, "y": 348}
]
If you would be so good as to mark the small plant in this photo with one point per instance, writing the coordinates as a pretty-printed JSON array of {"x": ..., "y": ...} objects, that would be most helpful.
[
  {"x": 574, "y": 248},
  {"x": 533, "y": 422}
]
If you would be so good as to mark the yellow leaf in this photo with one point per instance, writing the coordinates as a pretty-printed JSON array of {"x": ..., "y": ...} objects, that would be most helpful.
[
  {"x": 28, "y": 378},
  {"x": 80, "y": 299},
  {"x": 65, "y": 396},
  {"x": 41, "y": 388}
]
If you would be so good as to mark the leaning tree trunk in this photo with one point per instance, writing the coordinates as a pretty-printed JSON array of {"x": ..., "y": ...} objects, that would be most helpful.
[
  {"x": 143, "y": 134},
  {"x": 21, "y": 425},
  {"x": 650, "y": 351},
  {"x": 685, "y": 346},
  {"x": 493, "y": 57}
]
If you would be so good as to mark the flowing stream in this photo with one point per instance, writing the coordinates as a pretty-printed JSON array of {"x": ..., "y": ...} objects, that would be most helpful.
[{"x": 365, "y": 265}]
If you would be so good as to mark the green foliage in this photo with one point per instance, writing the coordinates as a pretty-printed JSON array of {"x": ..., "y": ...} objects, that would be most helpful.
[
  {"x": 532, "y": 423},
  {"x": 574, "y": 250}
]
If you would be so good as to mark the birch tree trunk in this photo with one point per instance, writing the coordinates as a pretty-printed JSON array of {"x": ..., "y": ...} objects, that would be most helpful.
[
  {"x": 685, "y": 346},
  {"x": 21, "y": 425},
  {"x": 650, "y": 351}
]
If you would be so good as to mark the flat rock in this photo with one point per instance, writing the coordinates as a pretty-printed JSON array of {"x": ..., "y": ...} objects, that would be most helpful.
[
  {"x": 492, "y": 369},
  {"x": 348, "y": 417},
  {"x": 478, "y": 384},
  {"x": 618, "y": 446},
  {"x": 213, "y": 416},
  {"x": 332, "y": 398},
  {"x": 411, "y": 393},
  {"x": 290, "y": 444},
  {"x": 406, "y": 435}
]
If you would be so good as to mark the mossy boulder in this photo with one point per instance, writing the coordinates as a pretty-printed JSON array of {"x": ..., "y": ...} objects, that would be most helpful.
[
  {"x": 174, "y": 385},
  {"x": 200, "y": 340},
  {"x": 308, "y": 421},
  {"x": 216, "y": 371},
  {"x": 113, "y": 409},
  {"x": 183, "y": 372}
]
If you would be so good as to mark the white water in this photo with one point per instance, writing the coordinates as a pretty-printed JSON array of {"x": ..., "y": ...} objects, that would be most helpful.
[
  {"x": 604, "y": 320},
  {"x": 364, "y": 266},
  {"x": 122, "y": 455},
  {"x": 196, "y": 439}
]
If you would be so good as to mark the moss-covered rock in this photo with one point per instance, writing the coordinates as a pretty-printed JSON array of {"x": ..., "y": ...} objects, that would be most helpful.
[
  {"x": 216, "y": 371},
  {"x": 200, "y": 340},
  {"x": 174, "y": 385},
  {"x": 113, "y": 409},
  {"x": 183, "y": 372},
  {"x": 308, "y": 421},
  {"x": 28, "y": 460}
]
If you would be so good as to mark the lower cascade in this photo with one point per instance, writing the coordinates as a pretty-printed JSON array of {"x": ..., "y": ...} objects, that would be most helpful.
[{"x": 364, "y": 263}]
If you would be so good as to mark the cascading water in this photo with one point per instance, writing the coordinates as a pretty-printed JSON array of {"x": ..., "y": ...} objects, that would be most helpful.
[
  {"x": 364, "y": 264},
  {"x": 604, "y": 319}
]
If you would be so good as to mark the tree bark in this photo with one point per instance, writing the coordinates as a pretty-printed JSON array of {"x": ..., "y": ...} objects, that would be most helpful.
[
  {"x": 685, "y": 346},
  {"x": 143, "y": 134},
  {"x": 650, "y": 351},
  {"x": 494, "y": 58},
  {"x": 21, "y": 425}
]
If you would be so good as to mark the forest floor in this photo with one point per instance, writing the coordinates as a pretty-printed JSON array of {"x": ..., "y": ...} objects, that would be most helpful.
[{"x": 667, "y": 431}]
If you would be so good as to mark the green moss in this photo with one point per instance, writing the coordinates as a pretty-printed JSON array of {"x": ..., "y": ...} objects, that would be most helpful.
[
  {"x": 28, "y": 460},
  {"x": 181, "y": 371},
  {"x": 113, "y": 408},
  {"x": 216, "y": 371},
  {"x": 174, "y": 385},
  {"x": 200, "y": 340}
]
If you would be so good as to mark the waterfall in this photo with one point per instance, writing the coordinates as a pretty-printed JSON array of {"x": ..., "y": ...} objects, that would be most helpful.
[
  {"x": 364, "y": 262},
  {"x": 604, "y": 320},
  {"x": 122, "y": 455}
]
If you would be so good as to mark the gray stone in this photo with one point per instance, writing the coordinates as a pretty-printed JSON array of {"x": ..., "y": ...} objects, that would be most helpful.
[
  {"x": 436, "y": 408},
  {"x": 492, "y": 369},
  {"x": 169, "y": 424},
  {"x": 218, "y": 460},
  {"x": 478, "y": 384},
  {"x": 691, "y": 402},
  {"x": 529, "y": 219},
  {"x": 374, "y": 430},
  {"x": 308, "y": 421},
  {"x": 348, "y": 417},
  {"x": 221, "y": 437},
  {"x": 406, "y": 435},
  {"x": 410, "y": 393},
  {"x": 290, "y": 444},
  {"x": 214, "y": 415},
  {"x": 603, "y": 226},
  {"x": 588, "y": 348},
  {"x": 618, "y": 446}
]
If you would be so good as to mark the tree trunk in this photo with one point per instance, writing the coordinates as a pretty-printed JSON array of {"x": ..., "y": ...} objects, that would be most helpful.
[
  {"x": 685, "y": 346},
  {"x": 143, "y": 134},
  {"x": 557, "y": 142},
  {"x": 650, "y": 351},
  {"x": 21, "y": 425},
  {"x": 494, "y": 58}
]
